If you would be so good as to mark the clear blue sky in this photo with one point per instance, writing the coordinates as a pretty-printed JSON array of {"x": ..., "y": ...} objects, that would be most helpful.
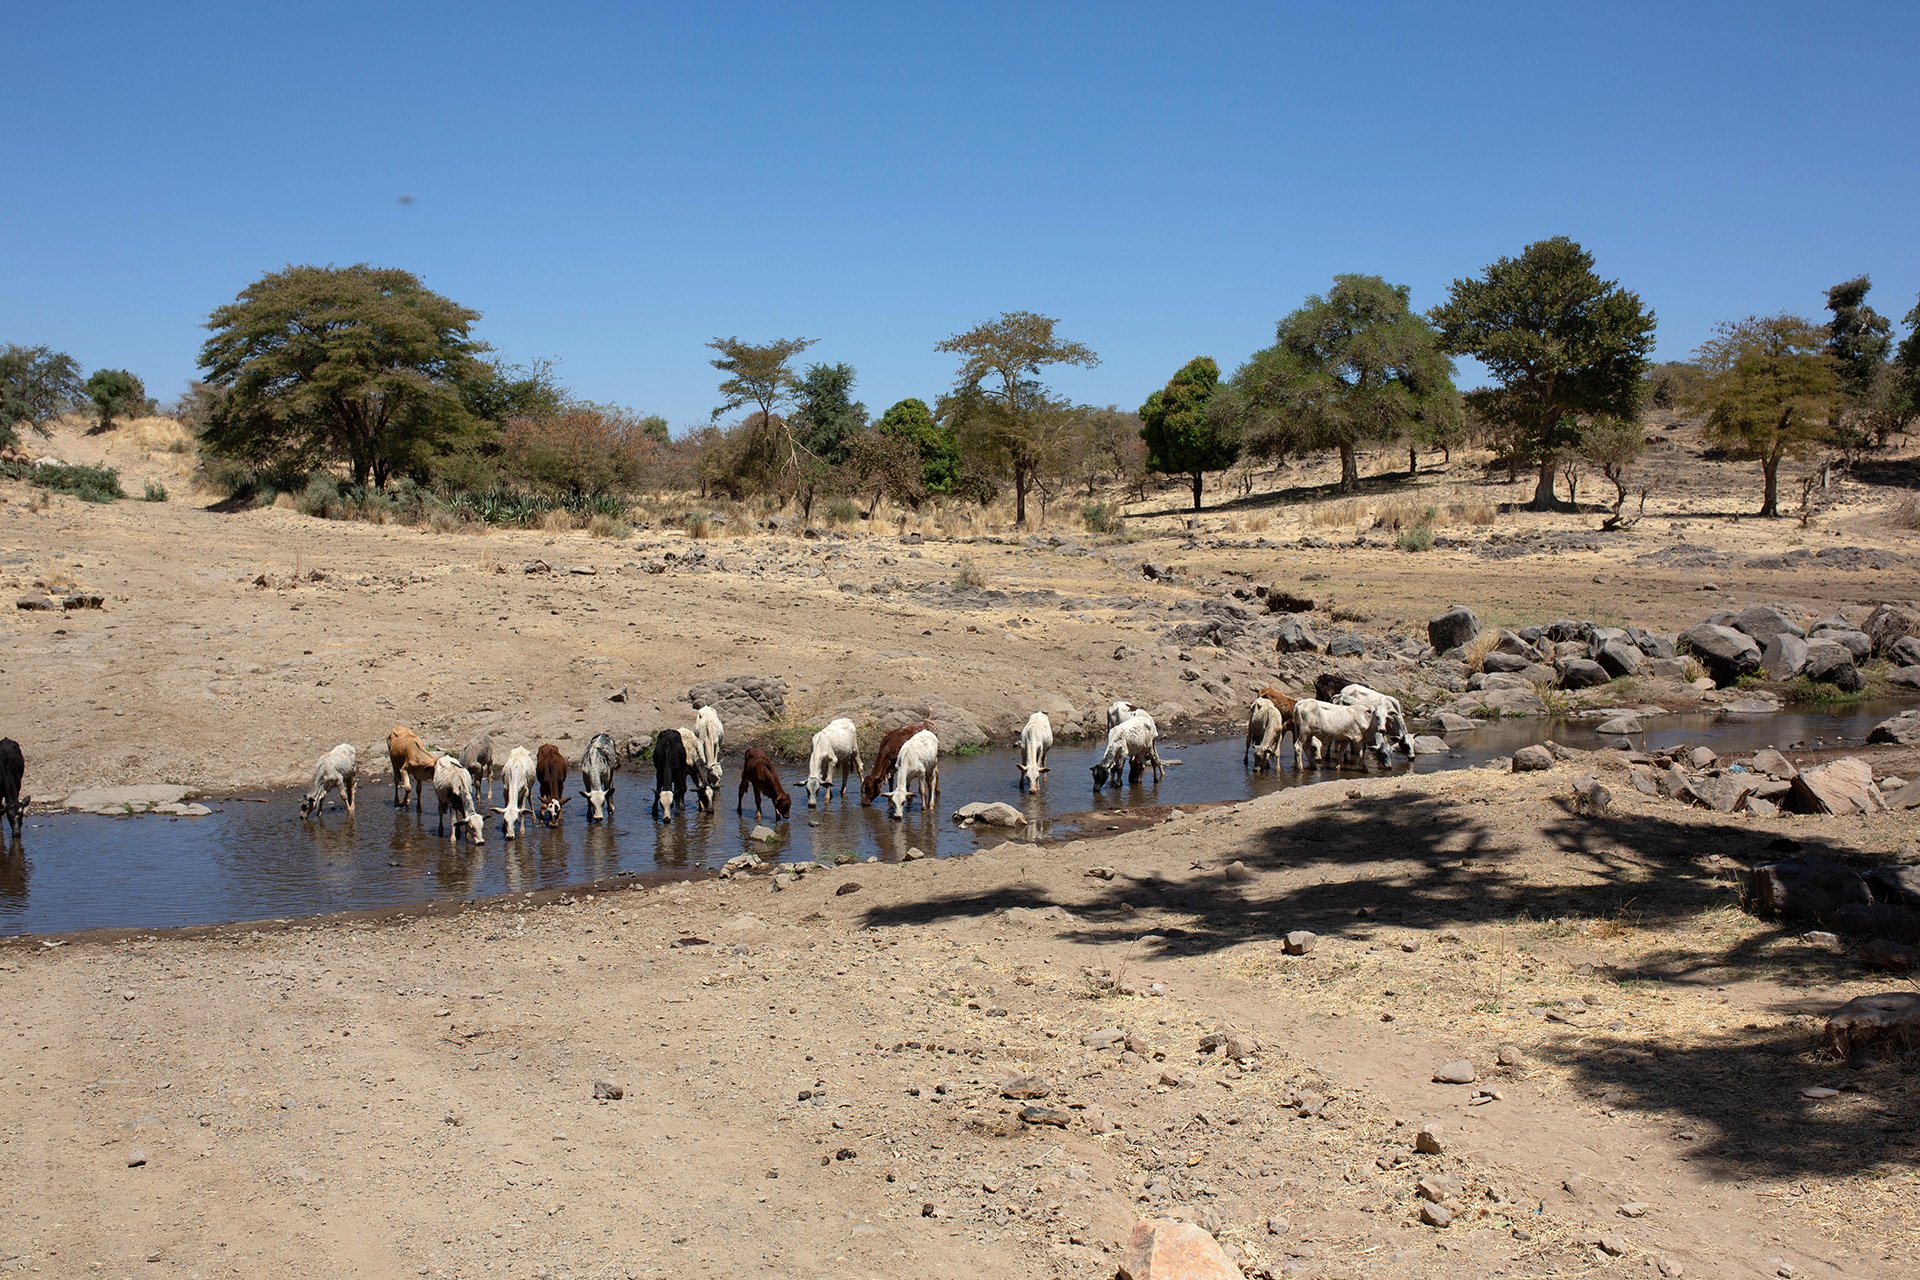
[{"x": 613, "y": 185}]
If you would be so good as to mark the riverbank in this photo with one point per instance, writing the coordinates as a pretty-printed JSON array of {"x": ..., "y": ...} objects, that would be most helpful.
[{"x": 829, "y": 1077}]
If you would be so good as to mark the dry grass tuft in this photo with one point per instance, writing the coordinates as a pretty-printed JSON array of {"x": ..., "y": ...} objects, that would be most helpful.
[
  {"x": 558, "y": 520},
  {"x": 1477, "y": 649},
  {"x": 1906, "y": 513}
]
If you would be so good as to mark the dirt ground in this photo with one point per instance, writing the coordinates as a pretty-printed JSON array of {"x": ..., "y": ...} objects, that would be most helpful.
[{"x": 816, "y": 1077}]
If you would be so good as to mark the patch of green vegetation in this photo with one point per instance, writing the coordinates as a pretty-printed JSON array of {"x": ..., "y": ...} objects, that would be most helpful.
[
  {"x": 1417, "y": 538},
  {"x": 790, "y": 741},
  {"x": 1803, "y": 691},
  {"x": 89, "y": 484},
  {"x": 1104, "y": 517},
  {"x": 156, "y": 492},
  {"x": 969, "y": 578},
  {"x": 968, "y": 748}
]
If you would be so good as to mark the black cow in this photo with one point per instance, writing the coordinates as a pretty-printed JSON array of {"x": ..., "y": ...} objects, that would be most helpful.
[
  {"x": 13, "y": 767},
  {"x": 1328, "y": 686},
  {"x": 670, "y": 773}
]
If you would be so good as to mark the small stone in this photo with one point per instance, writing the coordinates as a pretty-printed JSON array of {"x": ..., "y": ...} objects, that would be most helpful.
[
  {"x": 1614, "y": 1246},
  {"x": 1105, "y": 1038},
  {"x": 1299, "y": 942},
  {"x": 914, "y": 853},
  {"x": 1164, "y": 1249},
  {"x": 1436, "y": 1215},
  {"x": 1633, "y": 1209},
  {"x": 1511, "y": 1056},
  {"x": 1025, "y": 1087},
  {"x": 1459, "y": 1072},
  {"x": 1819, "y": 1092},
  {"x": 1437, "y": 1188},
  {"x": 845, "y": 888},
  {"x": 1172, "y": 1079},
  {"x": 137, "y": 1160},
  {"x": 1428, "y": 1141},
  {"x": 618, "y": 695},
  {"x": 1532, "y": 759},
  {"x": 1045, "y": 1116},
  {"x": 1672, "y": 1268},
  {"x": 763, "y": 833},
  {"x": 608, "y": 1091}
]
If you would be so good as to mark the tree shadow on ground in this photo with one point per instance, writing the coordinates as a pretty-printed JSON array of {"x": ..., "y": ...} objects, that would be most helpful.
[{"x": 1434, "y": 862}]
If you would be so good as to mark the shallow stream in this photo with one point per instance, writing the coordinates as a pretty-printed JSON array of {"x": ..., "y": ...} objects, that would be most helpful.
[{"x": 254, "y": 859}]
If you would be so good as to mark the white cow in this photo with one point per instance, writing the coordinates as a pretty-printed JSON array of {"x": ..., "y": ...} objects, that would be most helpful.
[
  {"x": 334, "y": 769},
  {"x": 516, "y": 781},
  {"x": 1329, "y": 729},
  {"x": 1119, "y": 711},
  {"x": 1036, "y": 740},
  {"x": 703, "y": 752},
  {"x": 836, "y": 748},
  {"x": 596, "y": 776},
  {"x": 919, "y": 760},
  {"x": 1392, "y": 721},
  {"x": 1130, "y": 743},
  {"x": 453, "y": 788}
]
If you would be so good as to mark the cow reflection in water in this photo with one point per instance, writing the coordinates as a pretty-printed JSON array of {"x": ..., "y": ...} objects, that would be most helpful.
[
  {"x": 13, "y": 870},
  {"x": 602, "y": 858},
  {"x": 675, "y": 846}
]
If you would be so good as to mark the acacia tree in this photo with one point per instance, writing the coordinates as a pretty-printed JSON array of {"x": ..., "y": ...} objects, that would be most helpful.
[
  {"x": 1564, "y": 346},
  {"x": 37, "y": 385},
  {"x": 360, "y": 364},
  {"x": 933, "y": 444},
  {"x": 1181, "y": 439},
  {"x": 114, "y": 393},
  {"x": 1771, "y": 391},
  {"x": 1001, "y": 408},
  {"x": 1354, "y": 366}
]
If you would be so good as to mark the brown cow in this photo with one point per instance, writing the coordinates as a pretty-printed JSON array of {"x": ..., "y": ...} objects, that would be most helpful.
[
  {"x": 550, "y": 771},
  {"x": 756, "y": 771},
  {"x": 412, "y": 766},
  {"x": 874, "y": 783}
]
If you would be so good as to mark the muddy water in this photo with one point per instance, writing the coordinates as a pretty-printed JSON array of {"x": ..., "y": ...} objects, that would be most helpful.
[{"x": 254, "y": 859}]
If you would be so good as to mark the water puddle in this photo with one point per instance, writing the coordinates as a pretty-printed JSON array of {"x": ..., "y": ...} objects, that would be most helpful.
[{"x": 253, "y": 859}]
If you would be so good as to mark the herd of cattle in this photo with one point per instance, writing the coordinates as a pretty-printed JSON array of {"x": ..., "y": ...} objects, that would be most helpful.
[{"x": 1341, "y": 722}]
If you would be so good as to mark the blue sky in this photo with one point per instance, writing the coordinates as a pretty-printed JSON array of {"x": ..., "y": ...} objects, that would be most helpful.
[{"x": 614, "y": 185}]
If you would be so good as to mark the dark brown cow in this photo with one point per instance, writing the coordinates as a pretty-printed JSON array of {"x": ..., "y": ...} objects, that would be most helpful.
[
  {"x": 874, "y": 783},
  {"x": 550, "y": 771},
  {"x": 756, "y": 771}
]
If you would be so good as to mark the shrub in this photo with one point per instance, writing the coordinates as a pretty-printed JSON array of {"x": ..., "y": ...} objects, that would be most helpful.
[
  {"x": 699, "y": 526},
  {"x": 584, "y": 452},
  {"x": 842, "y": 511},
  {"x": 89, "y": 484},
  {"x": 968, "y": 577},
  {"x": 605, "y": 526},
  {"x": 320, "y": 497},
  {"x": 1417, "y": 538},
  {"x": 1104, "y": 517},
  {"x": 156, "y": 492},
  {"x": 558, "y": 520}
]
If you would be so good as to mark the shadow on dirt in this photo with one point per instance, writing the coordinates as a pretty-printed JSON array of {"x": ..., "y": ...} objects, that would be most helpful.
[{"x": 1433, "y": 862}]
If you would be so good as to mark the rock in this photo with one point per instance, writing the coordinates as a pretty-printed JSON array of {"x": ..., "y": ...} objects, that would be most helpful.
[
  {"x": 1025, "y": 1087},
  {"x": 1876, "y": 920},
  {"x": 1830, "y": 663},
  {"x": 1905, "y": 677},
  {"x": 995, "y": 814},
  {"x": 1425, "y": 744},
  {"x": 1773, "y": 764},
  {"x": 1452, "y": 629},
  {"x": 1504, "y": 663},
  {"x": 1891, "y": 957},
  {"x": 1725, "y": 653},
  {"x": 1889, "y": 1021},
  {"x": 1765, "y": 621},
  {"x": 1428, "y": 1140},
  {"x": 84, "y": 600},
  {"x": 1163, "y": 1249},
  {"x": 618, "y": 695},
  {"x": 1295, "y": 636},
  {"x": 1511, "y": 1056},
  {"x": 914, "y": 853},
  {"x": 763, "y": 833},
  {"x": 1459, "y": 1072},
  {"x": 846, "y": 887},
  {"x": 1299, "y": 942},
  {"x": 1903, "y": 729},
  {"x": 1532, "y": 759},
  {"x": 608, "y": 1091},
  {"x": 1448, "y": 722},
  {"x": 1157, "y": 572},
  {"x": 1438, "y": 1188},
  {"x": 1802, "y": 889},
  {"x": 122, "y": 800},
  {"x": 1899, "y": 885},
  {"x": 1723, "y": 793},
  {"x": 1842, "y": 786},
  {"x": 1346, "y": 646},
  {"x": 1784, "y": 657},
  {"x": 1904, "y": 652},
  {"x": 744, "y": 702},
  {"x": 1667, "y": 668},
  {"x": 1581, "y": 673},
  {"x": 1887, "y": 624},
  {"x": 1620, "y": 726},
  {"x": 1620, "y": 658},
  {"x": 1105, "y": 1038},
  {"x": 1592, "y": 796},
  {"x": 1048, "y": 1117},
  {"x": 1435, "y": 1215},
  {"x": 741, "y": 864},
  {"x": 1854, "y": 642}
]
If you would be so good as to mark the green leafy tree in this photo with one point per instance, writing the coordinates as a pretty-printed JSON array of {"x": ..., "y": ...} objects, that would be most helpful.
[
  {"x": 654, "y": 428},
  {"x": 933, "y": 444},
  {"x": 1770, "y": 392},
  {"x": 1564, "y": 346},
  {"x": 760, "y": 375},
  {"x": 115, "y": 393},
  {"x": 1181, "y": 439},
  {"x": 1001, "y": 410},
  {"x": 498, "y": 392},
  {"x": 37, "y": 385},
  {"x": 1858, "y": 338},
  {"x": 358, "y": 365},
  {"x": 1351, "y": 367},
  {"x": 826, "y": 417}
]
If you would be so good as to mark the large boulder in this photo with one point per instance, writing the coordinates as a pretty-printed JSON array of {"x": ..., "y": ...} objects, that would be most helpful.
[
  {"x": 990, "y": 814},
  {"x": 1802, "y": 889},
  {"x": 1876, "y": 920},
  {"x": 1166, "y": 1249},
  {"x": 1905, "y": 677},
  {"x": 1725, "y": 653},
  {"x": 1889, "y": 1022},
  {"x": 1854, "y": 642},
  {"x": 1887, "y": 624},
  {"x": 1899, "y": 885},
  {"x": 1620, "y": 658},
  {"x": 1566, "y": 630},
  {"x": 1516, "y": 645},
  {"x": 1651, "y": 643},
  {"x": 1844, "y": 786},
  {"x": 1904, "y": 652},
  {"x": 1765, "y": 621},
  {"x": 1581, "y": 673},
  {"x": 744, "y": 702},
  {"x": 1295, "y": 636},
  {"x": 1452, "y": 629},
  {"x": 1903, "y": 729},
  {"x": 1507, "y": 663},
  {"x": 1532, "y": 759},
  {"x": 1829, "y": 663},
  {"x": 1784, "y": 657}
]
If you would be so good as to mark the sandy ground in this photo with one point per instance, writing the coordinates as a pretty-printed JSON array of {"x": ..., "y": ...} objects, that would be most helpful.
[{"x": 815, "y": 1077}]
